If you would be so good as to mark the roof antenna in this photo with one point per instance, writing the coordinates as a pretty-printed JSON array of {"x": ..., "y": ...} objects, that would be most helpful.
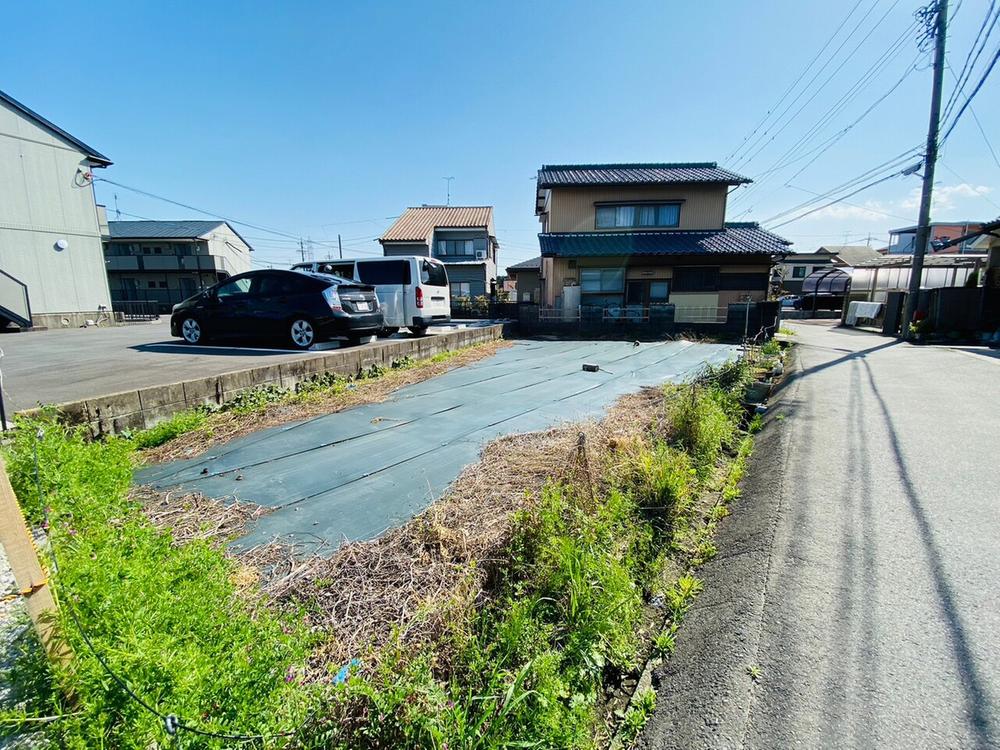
[
  {"x": 118, "y": 214},
  {"x": 448, "y": 199}
]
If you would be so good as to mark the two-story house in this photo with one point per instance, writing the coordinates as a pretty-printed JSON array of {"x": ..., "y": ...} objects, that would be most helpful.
[
  {"x": 168, "y": 261},
  {"x": 639, "y": 235},
  {"x": 461, "y": 237},
  {"x": 51, "y": 267},
  {"x": 903, "y": 241}
]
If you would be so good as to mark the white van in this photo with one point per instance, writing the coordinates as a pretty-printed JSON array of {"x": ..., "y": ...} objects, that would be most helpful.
[{"x": 412, "y": 289}]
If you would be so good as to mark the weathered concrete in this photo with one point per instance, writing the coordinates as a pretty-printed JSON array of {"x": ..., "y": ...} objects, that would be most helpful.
[{"x": 144, "y": 407}]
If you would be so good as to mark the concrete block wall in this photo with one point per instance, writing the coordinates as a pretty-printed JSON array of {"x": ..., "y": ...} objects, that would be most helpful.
[{"x": 145, "y": 407}]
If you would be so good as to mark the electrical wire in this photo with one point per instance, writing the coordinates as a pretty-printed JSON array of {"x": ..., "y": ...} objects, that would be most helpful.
[
  {"x": 835, "y": 201},
  {"x": 971, "y": 96},
  {"x": 972, "y": 57}
]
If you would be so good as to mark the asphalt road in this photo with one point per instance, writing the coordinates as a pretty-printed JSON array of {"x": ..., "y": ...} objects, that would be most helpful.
[
  {"x": 859, "y": 576},
  {"x": 353, "y": 474},
  {"x": 53, "y": 367}
]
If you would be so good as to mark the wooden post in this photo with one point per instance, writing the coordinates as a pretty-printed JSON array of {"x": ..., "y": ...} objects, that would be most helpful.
[{"x": 31, "y": 578}]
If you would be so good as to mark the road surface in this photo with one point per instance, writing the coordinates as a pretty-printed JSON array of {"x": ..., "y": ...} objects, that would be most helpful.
[
  {"x": 858, "y": 579},
  {"x": 53, "y": 367}
]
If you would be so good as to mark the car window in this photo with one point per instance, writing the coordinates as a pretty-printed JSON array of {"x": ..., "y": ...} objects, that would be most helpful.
[
  {"x": 433, "y": 274},
  {"x": 344, "y": 270},
  {"x": 384, "y": 271},
  {"x": 236, "y": 286},
  {"x": 277, "y": 285}
]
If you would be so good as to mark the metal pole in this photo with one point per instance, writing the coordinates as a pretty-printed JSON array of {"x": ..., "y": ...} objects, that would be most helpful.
[
  {"x": 340, "y": 248},
  {"x": 923, "y": 222}
]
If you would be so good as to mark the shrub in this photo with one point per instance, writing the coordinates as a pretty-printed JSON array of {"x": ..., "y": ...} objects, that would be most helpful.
[{"x": 703, "y": 424}]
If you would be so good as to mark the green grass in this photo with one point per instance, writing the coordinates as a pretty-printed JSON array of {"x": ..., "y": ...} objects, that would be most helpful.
[
  {"x": 524, "y": 666},
  {"x": 166, "y": 617}
]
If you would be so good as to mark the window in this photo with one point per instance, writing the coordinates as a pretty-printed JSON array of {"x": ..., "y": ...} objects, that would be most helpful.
[
  {"x": 641, "y": 215},
  {"x": 163, "y": 285},
  {"x": 234, "y": 287},
  {"x": 798, "y": 272},
  {"x": 461, "y": 289},
  {"x": 433, "y": 274},
  {"x": 278, "y": 285},
  {"x": 384, "y": 271},
  {"x": 601, "y": 280},
  {"x": 818, "y": 268},
  {"x": 151, "y": 284},
  {"x": 697, "y": 279},
  {"x": 659, "y": 291},
  {"x": 456, "y": 247}
]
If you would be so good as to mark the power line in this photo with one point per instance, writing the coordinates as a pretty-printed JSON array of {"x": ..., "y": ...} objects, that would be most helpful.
[
  {"x": 795, "y": 82},
  {"x": 970, "y": 97},
  {"x": 972, "y": 57}
]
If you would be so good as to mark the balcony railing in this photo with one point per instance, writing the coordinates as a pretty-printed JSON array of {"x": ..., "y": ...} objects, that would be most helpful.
[{"x": 161, "y": 263}]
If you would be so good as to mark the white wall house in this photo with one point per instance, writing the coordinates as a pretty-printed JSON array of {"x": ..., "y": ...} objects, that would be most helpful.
[
  {"x": 164, "y": 262},
  {"x": 50, "y": 238}
]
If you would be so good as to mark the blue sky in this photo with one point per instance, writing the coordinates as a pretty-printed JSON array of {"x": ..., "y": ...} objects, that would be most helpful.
[{"x": 315, "y": 118}]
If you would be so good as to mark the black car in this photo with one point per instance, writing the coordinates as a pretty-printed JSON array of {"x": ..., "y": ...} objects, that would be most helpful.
[{"x": 293, "y": 308}]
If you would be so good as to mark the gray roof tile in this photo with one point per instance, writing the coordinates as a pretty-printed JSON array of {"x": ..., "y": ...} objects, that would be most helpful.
[
  {"x": 735, "y": 239},
  {"x": 556, "y": 175},
  {"x": 180, "y": 230}
]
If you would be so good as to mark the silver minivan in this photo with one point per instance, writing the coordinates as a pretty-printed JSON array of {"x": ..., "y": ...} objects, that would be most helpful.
[{"x": 412, "y": 289}]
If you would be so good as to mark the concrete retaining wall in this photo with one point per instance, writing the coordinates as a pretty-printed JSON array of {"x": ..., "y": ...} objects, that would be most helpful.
[{"x": 143, "y": 408}]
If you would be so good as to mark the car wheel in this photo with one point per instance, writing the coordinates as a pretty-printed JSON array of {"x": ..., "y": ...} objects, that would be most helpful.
[
  {"x": 384, "y": 333},
  {"x": 301, "y": 334},
  {"x": 191, "y": 331},
  {"x": 418, "y": 330}
]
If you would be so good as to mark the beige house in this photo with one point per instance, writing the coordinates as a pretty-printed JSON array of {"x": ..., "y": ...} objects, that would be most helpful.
[
  {"x": 635, "y": 236},
  {"x": 461, "y": 237},
  {"x": 51, "y": 265},
  {"x": 164, "y": 262}
]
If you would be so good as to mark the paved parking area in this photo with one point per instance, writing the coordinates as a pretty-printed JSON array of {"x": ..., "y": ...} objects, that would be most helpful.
[
  {"x": 53, "y": 367},
  {"x": 352, "y": 475}
]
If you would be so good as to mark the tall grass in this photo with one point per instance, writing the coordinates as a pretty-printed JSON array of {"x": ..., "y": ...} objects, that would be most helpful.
[{"x": 167, "y": 618}]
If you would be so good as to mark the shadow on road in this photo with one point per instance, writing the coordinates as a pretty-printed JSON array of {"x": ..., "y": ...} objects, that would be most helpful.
[
  {"x": 972, "y": 684},
  {"x": 173, "y": 347}
]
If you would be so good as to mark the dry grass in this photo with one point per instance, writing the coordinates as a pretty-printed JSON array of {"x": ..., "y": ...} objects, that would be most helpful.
[
  {"x": 415, "y": 581},
  {"x": 226, "y": 426}
]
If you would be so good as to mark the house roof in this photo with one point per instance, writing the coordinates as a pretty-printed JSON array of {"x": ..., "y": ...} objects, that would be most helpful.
[
  {"x": 851, "y": 254},
  {"x": 93, "y": 154},
  {"x": 418, "y": 222},
  {"x": 166, "y": 230},
  {"x": 734, "y": 239},
  {"x": 655, "y": 173},
  {"x": 535, "y": 264}
]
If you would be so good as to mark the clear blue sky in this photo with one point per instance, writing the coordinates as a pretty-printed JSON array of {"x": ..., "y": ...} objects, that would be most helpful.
[{"x": 317, "y": 118}]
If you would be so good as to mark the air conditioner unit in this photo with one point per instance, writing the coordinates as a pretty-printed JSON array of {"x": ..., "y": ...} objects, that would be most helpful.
[{"x": 480, "y": 255}]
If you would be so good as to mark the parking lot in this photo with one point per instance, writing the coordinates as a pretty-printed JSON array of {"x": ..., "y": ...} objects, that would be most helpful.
[
  {"x": 353, "y": 474},
  {"x": 57, "y": 366}
]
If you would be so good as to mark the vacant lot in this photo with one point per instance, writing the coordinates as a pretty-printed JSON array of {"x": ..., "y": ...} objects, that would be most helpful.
[{"x": 351, "y": 475}]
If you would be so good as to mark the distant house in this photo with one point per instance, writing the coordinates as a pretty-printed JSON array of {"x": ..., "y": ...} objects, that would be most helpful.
[
  {"x": 165, "y": 262},
  {"x": 51, "y": 266},
  {"x": 903, "y": 241},
  {"x": 643, "y": 235},
  {"x": 461, "y": 237},
  {"x": 795, "y": 267},
  {"x": 526, "y": 278}
]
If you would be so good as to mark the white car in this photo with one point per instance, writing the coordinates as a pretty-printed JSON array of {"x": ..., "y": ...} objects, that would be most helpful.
[{"x": 412, "y": 289}]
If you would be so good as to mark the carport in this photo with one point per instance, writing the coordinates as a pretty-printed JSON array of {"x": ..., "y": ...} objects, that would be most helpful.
[{"x": 351, "y": 475}]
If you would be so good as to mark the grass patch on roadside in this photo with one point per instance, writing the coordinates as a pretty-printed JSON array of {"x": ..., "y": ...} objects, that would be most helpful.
[
  {"x": 504, "y": 626},
  {"x": 168, "y": 618}
]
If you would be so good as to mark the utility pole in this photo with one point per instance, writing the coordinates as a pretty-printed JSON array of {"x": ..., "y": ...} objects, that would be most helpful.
[
  {"x": 924, "y": 219},
  {"x": 302, "y": 251},
  {"x": 340, "y": 248},
  {"x": 448, "y": 180}
]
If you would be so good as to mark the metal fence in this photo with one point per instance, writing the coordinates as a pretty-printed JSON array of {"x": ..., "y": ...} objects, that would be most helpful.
[
  {"x": 136, "y": 310},
  {"x": 482, "y": 308}
]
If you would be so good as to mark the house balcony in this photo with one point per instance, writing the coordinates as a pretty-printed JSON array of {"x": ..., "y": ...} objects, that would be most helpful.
[{"x": 166, "y": 263}]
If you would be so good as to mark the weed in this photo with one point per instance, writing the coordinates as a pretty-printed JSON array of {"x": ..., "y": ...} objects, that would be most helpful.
[
  {"x": 754, "y": 672},
  {"x": 756, "y": 423},
  {"x": 637, "y": 715},
  {"x": 771, "y": 348},
  {"x": 167, "y": 617},
  {"x": 786, "y": 331},
  {"x": 665, "y": 642},
  {"x": 255, "y": 399},
  {"x": 178, "y": 424}
]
